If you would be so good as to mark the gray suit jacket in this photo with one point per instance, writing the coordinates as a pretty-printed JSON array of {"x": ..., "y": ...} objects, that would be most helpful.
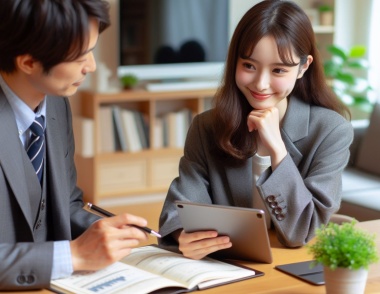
[
  {"x": 24, "y": 263},
  {"x": 300, "y": 195}
]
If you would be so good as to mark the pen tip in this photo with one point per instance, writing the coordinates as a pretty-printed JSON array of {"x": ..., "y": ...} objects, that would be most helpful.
[
  {"x": 156, "y": 234},
  {"x": 89, "y": 204}
]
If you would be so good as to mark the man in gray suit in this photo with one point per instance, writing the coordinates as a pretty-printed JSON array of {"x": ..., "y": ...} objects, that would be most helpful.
[{"x": 46, "y": 50}]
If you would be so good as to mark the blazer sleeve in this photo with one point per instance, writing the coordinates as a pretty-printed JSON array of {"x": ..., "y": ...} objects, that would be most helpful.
[
  {"x": 18, "y": 269},
  {"x": 300, "y": 198},
  {"x": 193, "y": 183}
]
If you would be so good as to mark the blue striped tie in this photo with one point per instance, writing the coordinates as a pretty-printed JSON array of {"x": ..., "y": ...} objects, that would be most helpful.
[{"x": 36, "y": 147}]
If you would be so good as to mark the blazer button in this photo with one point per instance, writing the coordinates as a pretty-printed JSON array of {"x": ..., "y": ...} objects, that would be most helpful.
[
  {"x": 43, "y": 204},
  {"x": 277, "y": 210},
  {"x": 273, "y": 204},
  {"x": 271, "y": 198},
  {"x": 30, "y": 279},
  {"x": 38, "y": 224},
  {"x": 21, "y": 279},
  {"x": 280, "y": 217}
]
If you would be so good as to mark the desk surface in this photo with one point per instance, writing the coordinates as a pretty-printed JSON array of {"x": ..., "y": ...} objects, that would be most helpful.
[{"x": 275, "y": 281}]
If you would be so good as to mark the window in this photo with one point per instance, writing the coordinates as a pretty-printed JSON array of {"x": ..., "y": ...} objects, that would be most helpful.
[{"x": 374, "y": 49}]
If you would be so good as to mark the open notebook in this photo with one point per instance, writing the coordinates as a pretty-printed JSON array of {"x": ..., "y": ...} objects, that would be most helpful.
[{"x": 151, "y": 268}]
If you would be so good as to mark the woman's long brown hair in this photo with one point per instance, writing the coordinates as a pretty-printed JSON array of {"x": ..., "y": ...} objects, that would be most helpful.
[{"x": 293, "y": 32}]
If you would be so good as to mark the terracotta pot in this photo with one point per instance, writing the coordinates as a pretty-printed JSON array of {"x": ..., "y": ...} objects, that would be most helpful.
[{"x": 345, "y": 281}]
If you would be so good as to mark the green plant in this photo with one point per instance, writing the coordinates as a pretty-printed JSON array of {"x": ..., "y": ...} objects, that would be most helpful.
[
  {"x": 325, "y": 8},
  {"x": 345, "y": 72},
  {"x": 344, "y": 246},
  {"x": 129, "y": 81}
]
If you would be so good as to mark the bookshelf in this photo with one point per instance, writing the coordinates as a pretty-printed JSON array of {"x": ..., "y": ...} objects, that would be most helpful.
[
  {"x": 324, "y": 32},
  {"x": 123, "y": 174}
]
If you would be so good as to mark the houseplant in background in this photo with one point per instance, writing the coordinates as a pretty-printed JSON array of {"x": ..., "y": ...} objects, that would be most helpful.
[
  {"x": 346, "y": 73},
  {"x": 129, "y": 81},
  {"x": 326, "y": 15},
  {"x": 345, "y": 252}
]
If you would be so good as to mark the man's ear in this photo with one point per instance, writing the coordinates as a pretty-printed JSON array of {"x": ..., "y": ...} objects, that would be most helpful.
[
  {"x": 305, "y": 66},
  {"x": 27, "y": 64}
]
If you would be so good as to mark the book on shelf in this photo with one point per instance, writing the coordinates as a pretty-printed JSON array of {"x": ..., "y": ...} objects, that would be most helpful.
[
  {"x": 151, "y": 268},
  {"x": 142, "y": 128},
  {"x": 158, "y": 133},
  {"x": 131, "y": 130},
  {"x": 118, "y": 128},
  {"x": 176, "y": 125},
  {"x": 183, "y": 120},
  {"x": 106, "y": 136},
  {"x": 83, "y": 136}
]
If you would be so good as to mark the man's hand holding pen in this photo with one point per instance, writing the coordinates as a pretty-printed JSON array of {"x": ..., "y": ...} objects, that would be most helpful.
[
  {"x": 106, "y": 213},
  {"x": 107, "y": 241}
]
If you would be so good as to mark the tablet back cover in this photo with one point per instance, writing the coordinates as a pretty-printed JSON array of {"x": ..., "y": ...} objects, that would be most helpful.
[{"x": 246, "y": 228}]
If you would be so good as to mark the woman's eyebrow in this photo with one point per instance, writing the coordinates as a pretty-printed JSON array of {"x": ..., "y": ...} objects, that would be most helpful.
[{"x": 273, "y": 64}]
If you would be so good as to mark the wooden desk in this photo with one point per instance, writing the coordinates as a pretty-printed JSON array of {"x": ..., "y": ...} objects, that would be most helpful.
[{"x": 277, "y": 282}]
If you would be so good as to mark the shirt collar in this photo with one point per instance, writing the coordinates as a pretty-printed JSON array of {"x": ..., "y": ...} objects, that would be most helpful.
[{"x": 23, "y": 114}]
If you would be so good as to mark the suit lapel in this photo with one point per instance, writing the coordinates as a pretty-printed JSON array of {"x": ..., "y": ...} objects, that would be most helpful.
[
  {"x": 295, "y": 126},
  {"x": 56, "y": 173},
  {"x": 10, "y": 159}
]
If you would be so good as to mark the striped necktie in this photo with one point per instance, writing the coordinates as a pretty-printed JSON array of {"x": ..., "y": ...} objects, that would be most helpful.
[{"x": 36, "y": 147}]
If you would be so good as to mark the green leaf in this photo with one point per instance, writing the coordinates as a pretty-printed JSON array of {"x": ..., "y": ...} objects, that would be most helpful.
[
  {"x": 344, "y": 246},
  {"x": 325, "y": 8},
  {"x": 337, "y": 51},
  {"x": 346, "y": 77},
  {"x": 129, "y": 80},
  {"x": 331, "y": 68},
  {"x": 357, "y": 63},
  {"x": 346, "y": 74},
  {"x": 360, "y": 100},
  {"x": 357, "y": 51}
]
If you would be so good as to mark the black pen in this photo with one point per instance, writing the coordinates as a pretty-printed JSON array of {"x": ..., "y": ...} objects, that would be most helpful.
[{"x": 108, "y": 214}]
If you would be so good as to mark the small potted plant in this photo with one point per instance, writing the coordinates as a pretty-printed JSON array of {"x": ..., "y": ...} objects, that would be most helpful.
[
  {"x": 129, "y": 81},
  {"x": 345, "y": 252},
  {"x": 326, "y": 15}
]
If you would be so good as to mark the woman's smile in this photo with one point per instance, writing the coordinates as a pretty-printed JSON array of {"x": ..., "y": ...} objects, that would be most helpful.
[{"x": 260, "y": 96}]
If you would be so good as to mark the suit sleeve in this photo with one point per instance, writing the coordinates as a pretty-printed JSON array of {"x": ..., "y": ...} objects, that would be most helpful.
[
  {"x": 19, "y": 269},
  {"x": 301, "y": 200},
  {"x": 193, "y": 183}
]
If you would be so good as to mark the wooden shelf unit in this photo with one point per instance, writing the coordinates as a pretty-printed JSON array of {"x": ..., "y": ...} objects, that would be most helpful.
[
  {"x": 123, "y": 174},
  {"x": 325, "y": 34}
]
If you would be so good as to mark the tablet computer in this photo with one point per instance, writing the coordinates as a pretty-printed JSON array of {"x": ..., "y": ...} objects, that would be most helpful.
[{"x": 246, "y": 228}]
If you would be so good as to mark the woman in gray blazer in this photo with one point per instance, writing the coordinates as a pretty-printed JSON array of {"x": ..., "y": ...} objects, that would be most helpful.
[{"x": 277, "y": 138}]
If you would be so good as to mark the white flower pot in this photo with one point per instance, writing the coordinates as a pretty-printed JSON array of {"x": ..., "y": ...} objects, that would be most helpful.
[{"x": 345, "y": 281}]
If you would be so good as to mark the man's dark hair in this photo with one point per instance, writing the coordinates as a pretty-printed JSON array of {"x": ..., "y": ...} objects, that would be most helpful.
[{"x": 51, "y": 31}]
